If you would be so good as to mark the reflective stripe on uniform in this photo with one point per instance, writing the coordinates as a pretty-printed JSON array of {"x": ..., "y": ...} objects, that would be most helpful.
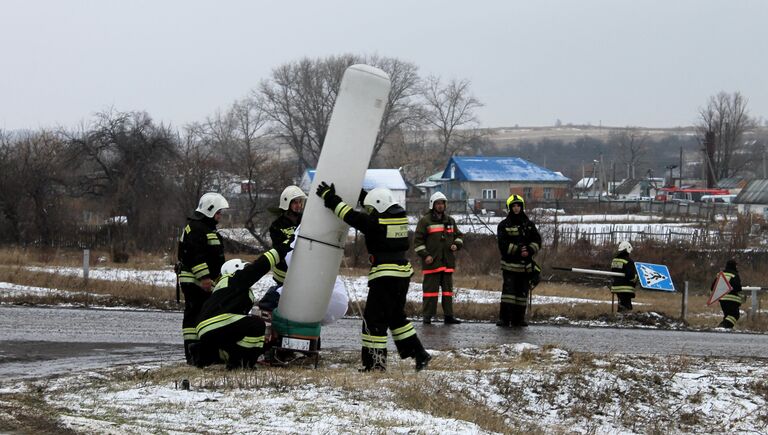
[
  {"x": 618, "y": 263},
  {"x": 374, "y": 341},
  {"x": 213, "y": 239},
  {"x": 217, "y": 322},
  {"x": 393, "y": 221},
  {"x": 431, "y": 294},
  {"x": 273, "y": 257},
  {"x": 739, "y": 299},
  {"x": 396, "y": 270},
  {"x": 189, "y": 333},
  {"x": 516, "y": 267},
  {"x": 251, "y": 342},
  {"x": 439, "y": 228},
  {"x": 200, "y": 270},
  {"x": 341, "y": 210},
  {"x": 622, "y": 289},
  {"x": 511, "y": 248},
  {"x": 278, "y": 274},
  {"x": 420, "y": 248},
  {"x": 514, "y": 300},
  {"x": 188, "y": 277},
  {"x": 439, "y": 269},
  {"x": 403, "y": 332}
]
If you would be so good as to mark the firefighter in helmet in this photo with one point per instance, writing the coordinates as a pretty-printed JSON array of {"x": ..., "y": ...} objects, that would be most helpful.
[
  {"x": 519, "y": 241},
  {"x": 436, "y": 240},
  {"x": 385, "y": 227},
  {"x": 624, "y": 286},
  {"x": 291, "y": 208},
  {"x": 224, "y": 326},
  {"x": 731, "y": 301},
  {"x": 200, "y": 255}
]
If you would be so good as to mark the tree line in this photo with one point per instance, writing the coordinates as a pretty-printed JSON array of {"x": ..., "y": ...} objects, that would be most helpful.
[
  {"x": 150, "y": 175},
  {"x": 147, "y": 176}
]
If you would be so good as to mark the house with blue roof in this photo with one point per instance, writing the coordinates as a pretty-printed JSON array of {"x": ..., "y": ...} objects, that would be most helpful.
[{"x": 492, "y": 179}]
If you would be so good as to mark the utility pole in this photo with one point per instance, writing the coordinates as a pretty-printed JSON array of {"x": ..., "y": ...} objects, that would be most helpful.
[{"x": 680, "y": 170}]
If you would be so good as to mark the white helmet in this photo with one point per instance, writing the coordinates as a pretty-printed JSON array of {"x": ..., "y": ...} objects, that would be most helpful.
[
  {"x": 232, "y": 266},
  {"x": 380, "y": 198},
  {"x": 289, "y": 194},
  {"x": 625, "y": 246},
  {"x": 437, "y": 196},
  {"x": 210, "y": 203}
]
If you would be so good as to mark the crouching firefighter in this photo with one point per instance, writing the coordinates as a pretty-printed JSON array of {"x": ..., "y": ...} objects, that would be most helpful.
[
  {"x": 224, "y": 327},
  {"x": 385, "y": 227}
]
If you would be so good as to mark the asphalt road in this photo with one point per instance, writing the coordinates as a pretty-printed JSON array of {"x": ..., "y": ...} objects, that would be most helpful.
[{"x": 38, "y": 342}]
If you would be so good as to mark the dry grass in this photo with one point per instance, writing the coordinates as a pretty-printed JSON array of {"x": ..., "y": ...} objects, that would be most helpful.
[
  {"x": 115, "y": 292},
  {"x": 144, "y": 295}
]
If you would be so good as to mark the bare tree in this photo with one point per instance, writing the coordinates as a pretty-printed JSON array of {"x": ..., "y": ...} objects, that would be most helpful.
[
  {"x": 194, "y": 166},
  {"x": 33, "y": 176},
  {"x": 299, "y": 99},
  {"x": 633, "y": 145},
  {"x": 124, "y": 158},
  {"x": 727, "y": 118},
  {"x": 251, "y": 159},
  {"x": 450, "y": 109}
]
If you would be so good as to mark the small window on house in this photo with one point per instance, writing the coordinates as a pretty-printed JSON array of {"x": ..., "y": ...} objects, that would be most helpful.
[
  {"x": 489, "y": 193},
  {"x": 547, "y": 193},
  {"x": 527, "y": 192}
]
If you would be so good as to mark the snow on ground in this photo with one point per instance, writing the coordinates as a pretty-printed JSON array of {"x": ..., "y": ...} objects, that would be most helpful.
[
  {"x": 515, "y": 388},
  {"x": 10, "y": 289},
  {"x": 650, "y": 225},
  {"x": 357, "y": 287}
]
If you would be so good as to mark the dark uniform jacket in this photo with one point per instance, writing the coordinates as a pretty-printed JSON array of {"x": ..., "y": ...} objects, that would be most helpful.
[
  {"x": 732, "y": 275},
  {"x": 386, "y": 237},
  {"x": 282, "y": 230},
  {"x": 434, "y": 236},
  {"x": 623, "y": 264},
  {"x": 232, "y": 298},
  {"x": 514, "y": 232},
  {"x": 201, "y": 251}
]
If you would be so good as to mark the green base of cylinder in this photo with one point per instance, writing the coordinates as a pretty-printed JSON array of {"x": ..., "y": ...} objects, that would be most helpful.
[{"x": 285, "y": 327}]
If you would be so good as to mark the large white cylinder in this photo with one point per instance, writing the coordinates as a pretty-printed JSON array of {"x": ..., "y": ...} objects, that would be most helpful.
[{"x": 343, "y": 161}]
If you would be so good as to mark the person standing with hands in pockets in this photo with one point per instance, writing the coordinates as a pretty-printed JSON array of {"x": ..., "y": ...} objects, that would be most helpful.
[{"x": 436, "y": 240}]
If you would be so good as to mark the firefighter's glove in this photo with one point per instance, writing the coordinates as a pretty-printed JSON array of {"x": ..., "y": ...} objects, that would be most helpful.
[
  {"x": 328, "y": 193},
  {"x": 324, "y": 189},
  {"x": 282, "y": 249},
  {"x": 361, "y": 198}
]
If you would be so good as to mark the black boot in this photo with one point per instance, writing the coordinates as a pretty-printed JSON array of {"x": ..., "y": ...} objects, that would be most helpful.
[
  {"x": 450, "y": 320},
  {"x": 427, "y": 320},
  {"x": 422, "y": 359},
  {"x": 518, "y": 316}
]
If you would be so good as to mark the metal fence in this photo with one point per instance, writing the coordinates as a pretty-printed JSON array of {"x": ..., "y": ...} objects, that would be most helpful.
[{"x": 693, "y": 210}]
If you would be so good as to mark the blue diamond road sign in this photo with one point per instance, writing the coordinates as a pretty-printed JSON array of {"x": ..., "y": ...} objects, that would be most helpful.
[{"x": 654, "y": 277}]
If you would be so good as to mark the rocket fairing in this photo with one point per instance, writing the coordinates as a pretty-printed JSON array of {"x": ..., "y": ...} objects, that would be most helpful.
[{"x": 345, "y": 156}]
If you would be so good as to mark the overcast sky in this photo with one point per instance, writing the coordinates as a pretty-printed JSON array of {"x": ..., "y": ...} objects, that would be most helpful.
[{"x": 611, "y": 62}]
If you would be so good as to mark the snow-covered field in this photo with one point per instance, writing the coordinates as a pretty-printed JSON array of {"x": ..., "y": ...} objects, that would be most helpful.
[{"x": 517, "y": 388}]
